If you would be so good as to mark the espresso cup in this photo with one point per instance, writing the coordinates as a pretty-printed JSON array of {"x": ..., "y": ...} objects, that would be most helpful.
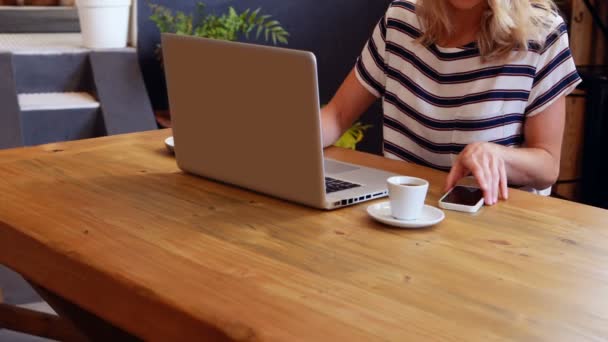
[{"x": 407, "y": 195}]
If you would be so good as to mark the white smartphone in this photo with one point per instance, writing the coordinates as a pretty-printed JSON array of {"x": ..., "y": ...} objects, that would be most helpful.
[{"x": 462, "y": 198}]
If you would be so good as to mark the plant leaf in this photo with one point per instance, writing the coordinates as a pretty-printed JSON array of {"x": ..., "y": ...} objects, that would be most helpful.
[
  {"x": 263, "y": 18},
  {"x": 254, "y": 15},
  {"x": 271, "y": 23},
  {"x": 245, "y": 14},
  {"x": 282, "y": 40},
  {"x": 260, "y": 29}
]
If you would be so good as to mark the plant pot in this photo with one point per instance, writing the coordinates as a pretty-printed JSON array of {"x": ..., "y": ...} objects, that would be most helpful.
[{"x": 104, "y": 23}]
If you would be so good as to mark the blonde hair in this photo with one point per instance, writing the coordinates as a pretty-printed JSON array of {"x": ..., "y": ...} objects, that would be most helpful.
[{"x": 506, "y": 25}]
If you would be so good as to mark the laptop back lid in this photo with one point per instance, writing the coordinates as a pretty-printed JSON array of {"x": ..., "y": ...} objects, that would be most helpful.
[{"x": 246, "y": 115}]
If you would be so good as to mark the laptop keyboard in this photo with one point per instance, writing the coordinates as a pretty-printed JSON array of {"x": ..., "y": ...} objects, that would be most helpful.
[{"x": 334, "y": 185}]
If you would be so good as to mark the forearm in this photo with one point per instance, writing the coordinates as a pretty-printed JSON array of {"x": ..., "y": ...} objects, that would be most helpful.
[
  {"x": 534, "y": 167},
  {"x": 537, "y": 163},
  {"x": 350, "y": 101},
  {"x": 332, "y": 127}
]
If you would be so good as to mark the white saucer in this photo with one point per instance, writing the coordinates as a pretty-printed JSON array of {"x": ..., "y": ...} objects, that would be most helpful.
[
  {"x": 382, "y": 212},
  {"x": 170, "y": 144}
]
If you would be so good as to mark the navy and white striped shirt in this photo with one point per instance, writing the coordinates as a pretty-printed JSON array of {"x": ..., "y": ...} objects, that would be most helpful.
[{"x": 438, "y": 100}]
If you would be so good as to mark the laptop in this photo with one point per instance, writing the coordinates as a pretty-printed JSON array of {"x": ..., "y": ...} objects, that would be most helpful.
[{"x": 249, "y": 116}]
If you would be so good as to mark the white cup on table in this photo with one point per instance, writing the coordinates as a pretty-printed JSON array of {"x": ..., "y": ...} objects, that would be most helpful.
[{"x": 407, "y": 195}]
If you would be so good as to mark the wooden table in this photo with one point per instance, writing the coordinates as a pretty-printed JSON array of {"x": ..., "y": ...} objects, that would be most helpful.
[{"x": 113, "y": 226}]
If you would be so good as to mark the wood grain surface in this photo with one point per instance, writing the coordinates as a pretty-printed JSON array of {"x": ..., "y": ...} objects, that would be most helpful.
[{"x": 112, "y": 225}]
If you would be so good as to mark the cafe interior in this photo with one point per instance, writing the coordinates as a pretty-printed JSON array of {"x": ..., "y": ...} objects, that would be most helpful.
[{"x": 107, "y": 233}]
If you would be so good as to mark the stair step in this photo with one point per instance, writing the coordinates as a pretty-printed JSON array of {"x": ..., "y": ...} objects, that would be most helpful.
[
  {"x": 47, "y": 44},
  {"x": 56, "y": 101},
  {"x": 52, "y": 73},
  {"x": 41, "y": 43},
  {"x": 47, "y": 126}
]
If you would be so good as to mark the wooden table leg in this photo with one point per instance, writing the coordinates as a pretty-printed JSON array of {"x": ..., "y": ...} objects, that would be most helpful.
[
  {"x": 38, "y": 324},
  {"x": 72, "y": 324},
  {"x": 91, "y": 326}
]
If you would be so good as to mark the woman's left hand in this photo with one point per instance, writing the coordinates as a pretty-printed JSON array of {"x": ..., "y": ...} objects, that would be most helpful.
[{"x": 485, "y": 161}]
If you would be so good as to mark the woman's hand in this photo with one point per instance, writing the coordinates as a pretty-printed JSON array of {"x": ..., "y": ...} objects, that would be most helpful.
[
  {"x": 535, "y": 164},
  {"x": 487, "y": 164}
]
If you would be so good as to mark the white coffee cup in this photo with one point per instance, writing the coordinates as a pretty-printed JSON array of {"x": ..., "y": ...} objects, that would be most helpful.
[{"x": 407, "y": 195}]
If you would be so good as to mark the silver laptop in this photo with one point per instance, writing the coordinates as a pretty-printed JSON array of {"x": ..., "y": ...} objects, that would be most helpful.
[{"x": 248, "y": 115}]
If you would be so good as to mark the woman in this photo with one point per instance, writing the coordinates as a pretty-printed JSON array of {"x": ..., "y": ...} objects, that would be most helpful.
[{"x": 463, "y": 81}]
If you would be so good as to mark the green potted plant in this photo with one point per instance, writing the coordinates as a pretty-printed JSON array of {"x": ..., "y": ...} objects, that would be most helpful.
[{"x": 227, "y": 26}]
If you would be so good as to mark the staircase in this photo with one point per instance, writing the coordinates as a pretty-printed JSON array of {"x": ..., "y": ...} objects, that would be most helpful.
[{"x": 52, "y": 89}]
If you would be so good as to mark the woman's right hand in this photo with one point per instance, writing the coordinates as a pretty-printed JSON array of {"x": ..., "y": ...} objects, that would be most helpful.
[{"x": 486, "y": 163}]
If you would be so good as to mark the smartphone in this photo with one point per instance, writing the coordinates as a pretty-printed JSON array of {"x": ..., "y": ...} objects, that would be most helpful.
[{"x": 462, "y": 198}]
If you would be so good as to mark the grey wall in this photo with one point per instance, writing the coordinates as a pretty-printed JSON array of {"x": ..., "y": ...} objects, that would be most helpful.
[{"x": 334, "y": 30}]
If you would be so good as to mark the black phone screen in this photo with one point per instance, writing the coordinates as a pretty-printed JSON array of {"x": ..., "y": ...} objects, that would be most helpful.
[{"x": 464, "y": 195}]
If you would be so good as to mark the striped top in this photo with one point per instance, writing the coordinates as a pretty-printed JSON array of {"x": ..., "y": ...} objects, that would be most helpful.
[{"x": 438, "y": 100}]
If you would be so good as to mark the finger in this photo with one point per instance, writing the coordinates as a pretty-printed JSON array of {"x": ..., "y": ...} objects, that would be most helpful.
[
  {"x": 494, "y": 168},
  {"x": 504, "y": 185},
  {"x": 491, "y": 179},
  {"x": 487, "y": 171},
  {"x": 479, "y": 174},
  {"x": 456, "y": 173}
]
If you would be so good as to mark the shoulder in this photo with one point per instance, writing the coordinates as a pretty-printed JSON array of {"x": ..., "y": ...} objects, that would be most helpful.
[
  {"x": 409, "y": 5},
  {"x": 554, "y": 25},
  {"x": 402, "y": 11},
  {"x": 553, "y": 31}
]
